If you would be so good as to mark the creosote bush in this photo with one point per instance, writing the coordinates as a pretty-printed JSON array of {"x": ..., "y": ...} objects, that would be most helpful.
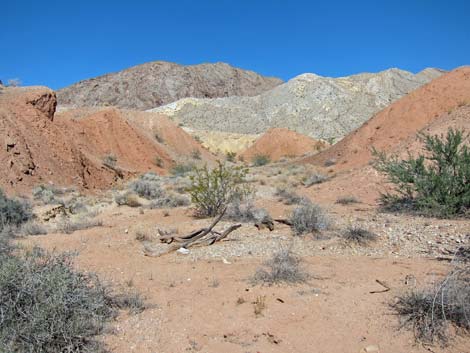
[
  {"x": 436, "y": 183},
  {"x": 283, "y": 267},
  {"x": 47, "y": 307},
  {"x": 309, "y": 218},
  {"x": 212, "y": 190}
]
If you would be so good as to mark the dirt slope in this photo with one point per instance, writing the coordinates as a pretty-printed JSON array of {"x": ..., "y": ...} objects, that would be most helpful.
[
  {"x": 156, "y": 83},
  {"x": 39, "y": 147},
  {"x": 280, "y": 142},
  {"x": 401, "y": 120}
]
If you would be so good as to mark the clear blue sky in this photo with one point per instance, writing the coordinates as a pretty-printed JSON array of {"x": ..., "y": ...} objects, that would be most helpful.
[{"x": 56, "y": 43}]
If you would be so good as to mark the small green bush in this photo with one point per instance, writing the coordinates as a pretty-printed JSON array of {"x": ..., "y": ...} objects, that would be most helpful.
[
  {"x": 13, "y": 212},
  {"x": 230, "y": 156},
  {"x": 436, "y": 183},
  {"x": 212, "y": 190},
  {"x": 260, "y": 160}
]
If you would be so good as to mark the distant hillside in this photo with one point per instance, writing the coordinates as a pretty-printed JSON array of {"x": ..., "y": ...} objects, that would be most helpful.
[
  {"x": 321, "y": 107},
  {"x": 156, "y": 83}
]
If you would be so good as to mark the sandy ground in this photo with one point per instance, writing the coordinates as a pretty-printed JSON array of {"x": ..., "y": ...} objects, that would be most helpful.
[{"x": 205, "y": 301}]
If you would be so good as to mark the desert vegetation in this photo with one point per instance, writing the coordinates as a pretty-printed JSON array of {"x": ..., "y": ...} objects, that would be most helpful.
[{"x": 436, "y": 182}]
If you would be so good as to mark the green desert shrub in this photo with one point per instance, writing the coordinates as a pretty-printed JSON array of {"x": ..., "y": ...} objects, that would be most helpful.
[
  {"x": 436, "y": 183},
  {"x": 212, "y": 190},
  {"x": 260, "y": 160},
  {"x": 13, "y": 212},
  {"x": 46, "y": 306}
]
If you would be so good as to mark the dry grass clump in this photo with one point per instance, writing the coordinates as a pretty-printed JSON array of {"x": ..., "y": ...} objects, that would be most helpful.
[
  {"x": 69, "y": 226},
  {"x": 309, "y": 218},
  {"x": 315, "y": 178},
  {"x": 169, "y": 200},
  {"x": 431, "y": 312},
  {"x": 147, "y": 186},
  {"x": 359, "y": 235},
  {"x": 347, "y": 200},
  {"x": 33, "y": 228},
  {"x": 245, "y": 212},
  {"x": 289, "y": 197},
  {"x": 127, "y": 199},
  {"x": 283, "y": 267}
]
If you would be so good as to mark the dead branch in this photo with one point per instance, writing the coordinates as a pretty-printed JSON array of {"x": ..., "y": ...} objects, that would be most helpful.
[
  {"x": 207, "y": 236},
  {"x": 383, "y": 284}
]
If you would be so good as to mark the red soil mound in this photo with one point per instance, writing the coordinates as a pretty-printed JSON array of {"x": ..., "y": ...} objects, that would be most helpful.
[
  {"x": 69, "y": 149},
  {"x": 281, "y": 142},
  {"x": 401, "y": 120}
]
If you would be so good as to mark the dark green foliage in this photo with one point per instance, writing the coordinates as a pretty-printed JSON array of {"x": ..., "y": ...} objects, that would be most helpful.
[
  {"x": 260, "y": 160},
  {"x": 13, "y": 212},
  {"x": 436, "y": 183},
  {"x": 212, "y": 190},
  {"x": 48, "y": 307}
]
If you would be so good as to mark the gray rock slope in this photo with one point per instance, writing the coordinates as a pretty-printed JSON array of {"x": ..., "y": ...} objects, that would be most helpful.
[
  {"x": 321, "y": 107},
  {"x": 156, "y": 83}
]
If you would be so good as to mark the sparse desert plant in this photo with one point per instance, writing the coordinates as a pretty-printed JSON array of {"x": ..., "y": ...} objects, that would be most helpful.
[
  {"x": 315, "y": 178},
  {"x": 289, "y": 197},
  {"x": 283, "y": 267},
  {"x": 246, "y": 211},
  {"x": 259, "y": 305},
  {"x": 196, "y": 154},
  {"x": 33, "y": 228},
  {"x": 347, "y": 200},
  {"x": 49, "y": 307},
  {"x": 330, "y": 162},
  {"x": 169, "y": 200},
  {"x": 69, "y": 226},
  {"x": 127, "y": 199},
  {"x": 13, "y": 212},
  {"x": 47, "y": 194},
  {"x": 110, "y": 161},
  {"x": 212, "y": 190},
  {"x": 147, "y": 186},
  {"x": 230, "y": 156},
  {"x": 430, "y": 312},
  {"x": 14, "y": 82},
  {"x": 159, "y": 138},
  {"x": 260, "y": 160},
  {"x": 359, "y": 235},
  {"x": 436, "y": 183},
  {"x": 182, "y": 169},
  {"x": 158, "y": 162},
  {"x": 309, "y": 218}
]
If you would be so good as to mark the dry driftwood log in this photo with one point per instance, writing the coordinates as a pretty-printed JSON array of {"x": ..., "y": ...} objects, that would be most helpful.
[{"x": 206, "y": 236}]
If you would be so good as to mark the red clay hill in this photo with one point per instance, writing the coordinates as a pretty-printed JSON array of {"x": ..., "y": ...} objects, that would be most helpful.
[
  {"x": 399, "y": 121},
  {"x": 281, "y": 142},
  {"x": 39, "y": 147}
]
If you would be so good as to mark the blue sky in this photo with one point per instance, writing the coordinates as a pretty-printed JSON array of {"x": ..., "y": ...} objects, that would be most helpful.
[{"x": 56, "y": 43}]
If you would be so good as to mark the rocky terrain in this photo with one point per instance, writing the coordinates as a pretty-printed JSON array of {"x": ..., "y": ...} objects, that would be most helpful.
[
  {"x": 321, "y": 107},
  {"x": 70, "y": 148},
  {"x": 157, "y": 83}
]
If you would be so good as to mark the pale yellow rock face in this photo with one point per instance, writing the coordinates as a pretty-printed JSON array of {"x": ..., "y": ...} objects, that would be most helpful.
[{"x": 223, "y": 142}]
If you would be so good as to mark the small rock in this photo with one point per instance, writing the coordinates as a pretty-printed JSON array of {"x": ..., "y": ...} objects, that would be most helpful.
[
  {"x": 182, "y": 251},
  {"x": 370, "y": 349}
]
